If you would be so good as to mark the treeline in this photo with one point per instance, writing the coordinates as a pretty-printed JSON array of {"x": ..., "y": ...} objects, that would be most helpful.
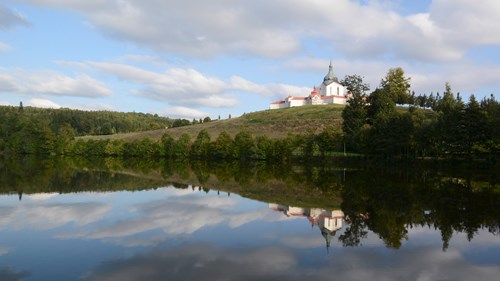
[
  {"x": 27, "y": 130},
  {"x": 84, "y": 122},
  {"x": 30, "y": 130},
  {"x": 444, "y": 126},
  {"x": 244, "y": 146}
]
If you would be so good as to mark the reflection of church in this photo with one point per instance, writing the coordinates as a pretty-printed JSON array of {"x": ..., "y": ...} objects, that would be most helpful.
[{"x": 327, "y": 221}]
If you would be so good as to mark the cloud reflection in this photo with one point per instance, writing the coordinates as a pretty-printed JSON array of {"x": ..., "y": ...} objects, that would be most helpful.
[
  {"x": 3, "y": 251},
  {"x": 50, "y": 215},
  {"x": 10, "y": 274},
  {"x": 173, "y": 216},
  {"x": 204, "y": 262},
  {"x": 200, "y": 262}
]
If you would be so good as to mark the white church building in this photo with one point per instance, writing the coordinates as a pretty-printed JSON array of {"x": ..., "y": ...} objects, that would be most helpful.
[{"x": 329, "y": 92}]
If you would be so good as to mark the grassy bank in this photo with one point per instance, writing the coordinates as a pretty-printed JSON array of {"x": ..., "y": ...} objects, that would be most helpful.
[{"x": 277, "y": 123}]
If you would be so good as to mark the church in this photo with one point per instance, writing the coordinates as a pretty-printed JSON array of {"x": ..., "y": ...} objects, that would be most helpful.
[{"x": 329, "y": 92}]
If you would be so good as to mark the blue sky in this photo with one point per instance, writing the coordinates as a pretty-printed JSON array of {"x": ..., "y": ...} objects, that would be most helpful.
[{"x": 197, "y": 58}]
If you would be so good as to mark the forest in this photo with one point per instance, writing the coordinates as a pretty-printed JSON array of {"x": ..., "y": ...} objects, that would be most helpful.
[
  {"x": 31, "y": 130},
  {"x": 386, "y": 123},
  {"x": 390, "y": 122}
]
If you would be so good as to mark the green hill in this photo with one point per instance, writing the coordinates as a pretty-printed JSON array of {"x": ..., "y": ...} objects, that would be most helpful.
[
  {"x": 276, "y": 123},
  {"x": 81, "y": 122}
]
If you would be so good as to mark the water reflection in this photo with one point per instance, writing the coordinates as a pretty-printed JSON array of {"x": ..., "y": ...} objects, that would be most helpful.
[
  {"x": 328, "y": 222},
  {"x": 204, "y": 262},
  {"x": 186, "y": 221},
  {"x": 183, "y": 234},
  {"x": 10, "y": 274}
]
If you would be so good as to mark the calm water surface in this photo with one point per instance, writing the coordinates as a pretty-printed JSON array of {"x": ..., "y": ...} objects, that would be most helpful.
[{"x": 191, "y": 232}]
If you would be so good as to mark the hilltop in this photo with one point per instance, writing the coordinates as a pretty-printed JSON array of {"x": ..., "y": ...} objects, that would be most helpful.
[{"x": 276, "y": 123}]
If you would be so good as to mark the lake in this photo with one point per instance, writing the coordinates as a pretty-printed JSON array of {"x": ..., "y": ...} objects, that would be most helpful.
[{"x": 107, "y": 219}]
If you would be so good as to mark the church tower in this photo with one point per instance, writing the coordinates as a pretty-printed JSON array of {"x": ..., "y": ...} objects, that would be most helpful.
[{"x": 331, "y": 85}]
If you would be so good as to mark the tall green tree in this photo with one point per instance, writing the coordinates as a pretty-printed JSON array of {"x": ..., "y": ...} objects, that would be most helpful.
[
  {"x": 381, "y": 107},
  {"x": 223, "y": 146},
  {"x": 263, "y": 147},
  {"x": 201, "y": 146},
  {"x": 450, "y": 124},
  {"x": 397, "y": 85},
  {"x": 474, "y": 122},
  {"x": 329, "y": 140},
  {"x": 355, "y": 113},
  {"x": 492, "y": 141},
  {"x": 182, "y": 146},
  {"x": 244, "y": 146},
  {"x": 355, "y": 84},
  {"x": 168, "y": 145}
]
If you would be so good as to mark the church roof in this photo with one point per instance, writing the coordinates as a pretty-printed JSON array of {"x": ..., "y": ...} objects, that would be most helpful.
[
  {"x": 314, "y": 92},
  {"x": 278, "y": 102},
  {"x": 330, "y": 77}
]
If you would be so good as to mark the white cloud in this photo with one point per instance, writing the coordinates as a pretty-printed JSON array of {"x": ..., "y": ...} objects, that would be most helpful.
[
  {"x": 92, "y": 106},
  {"x": 466, "y": 78},
  {"x": 47, "y": 82},
  {"x": 467, "y": 23},
  {"x": 178, "y": 86},
  {"x": 7, "y": 83},
  {"x": 153, "y": 60},
  {"x": 43, "y": 103},
  {"x": 271, "y": 90},
  {"x": 53, "y": 83},
  {"x": 278, "y": 28},
  {"x": 189, "y": 87},
  {"x": 185, "y": 112},
  {"x": 10, "y": 18}
]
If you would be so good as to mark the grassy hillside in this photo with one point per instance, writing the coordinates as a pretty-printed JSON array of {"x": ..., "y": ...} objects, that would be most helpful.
[{"x": 275, "y": 123}]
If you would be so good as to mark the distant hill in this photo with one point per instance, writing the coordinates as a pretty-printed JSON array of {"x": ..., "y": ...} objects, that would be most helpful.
[
  {"x": 81, "y": 122},
  {"x": 276, "y": 123}
]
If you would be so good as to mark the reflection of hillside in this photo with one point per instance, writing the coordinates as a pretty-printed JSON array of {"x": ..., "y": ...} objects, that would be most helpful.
[
  {"x": 263, "y": 183},
  {"x": 328, "y": 222},
  {"x": 395, "y": 197}
]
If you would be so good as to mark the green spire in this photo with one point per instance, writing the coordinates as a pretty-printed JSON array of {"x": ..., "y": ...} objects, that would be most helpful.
[{"x": 330, "y": 77}]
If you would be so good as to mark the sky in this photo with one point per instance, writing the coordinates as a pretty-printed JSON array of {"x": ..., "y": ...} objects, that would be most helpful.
[{"x": 194, "y": 58}]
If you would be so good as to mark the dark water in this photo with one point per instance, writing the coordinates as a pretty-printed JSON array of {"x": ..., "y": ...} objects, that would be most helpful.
[{"x": 106, "y": 219}]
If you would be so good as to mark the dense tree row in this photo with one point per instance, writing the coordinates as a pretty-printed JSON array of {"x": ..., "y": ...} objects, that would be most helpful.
[
  {"x": 244, "y": 146},
  {"x": 374, "y": 125}
]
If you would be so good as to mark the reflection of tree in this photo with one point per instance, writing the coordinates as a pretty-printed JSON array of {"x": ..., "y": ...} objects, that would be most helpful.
[
  {"x": 382, "y": 198},
  {"x": 354, "y": 232},
  {"x": 201, "y": 171},
  {"x": 395, "y": 199}
]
